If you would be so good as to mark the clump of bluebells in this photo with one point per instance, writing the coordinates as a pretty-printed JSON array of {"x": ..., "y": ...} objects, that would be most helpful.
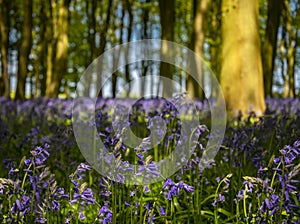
[
  {"x": 253, "y": 179},
  {"x": 273, "y": 196},
  {"x": 30, "y": 193}
]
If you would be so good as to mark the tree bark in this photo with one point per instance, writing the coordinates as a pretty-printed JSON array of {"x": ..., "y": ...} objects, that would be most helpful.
[
  {"x": 4, "y": 30},
  {"x": 60, "y": 60},
  {"x": 145, "y": 35},
  {"x": 103, "y": 41},
  {"x": 26, "y": 43},
  {"x": 167, "y": 20},
  {"x": 241, "y": 73},
  {"x": 91, "y": 8},
  {"x": 288, "y": 49},
  {"x": 197, "y": 42},
  {"x": 291, "y": 45},
  {"x": 215, "y": 42},
  {"x": 116, "y": 58},
  {"x": 129, "y": 29},
  {"x": 50, "y": 36},
  {"x": 270, "y": 43},
  {"x": 41, "y": 68}
]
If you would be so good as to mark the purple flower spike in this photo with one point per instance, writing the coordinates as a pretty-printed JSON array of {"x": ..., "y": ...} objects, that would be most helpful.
[{"x": 162, "y": 211}]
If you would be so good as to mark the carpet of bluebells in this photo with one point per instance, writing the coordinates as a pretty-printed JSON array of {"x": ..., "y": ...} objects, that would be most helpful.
[{"x": 45, "y": 179}]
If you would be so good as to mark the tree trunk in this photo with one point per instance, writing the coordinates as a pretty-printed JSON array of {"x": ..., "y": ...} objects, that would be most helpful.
[
  {"x": 167, "y": 20},
  {"x": 103, "y": 41},
  {"x": 92, "y": 28},
  {"x": 241, "y": 73},
  {"x": 117, "y": 57},
  {"x": 91, "y": 8},
  {"x": 60, "y": 60},
  {"x": 41, "y": 67},
  {"x": 145, "y": 35},
  {"x": 4, "y": 30},
  {"x": 197, "y": 42},
  {"x": 291, "y": 48},
  {"x": 129, "y": 29},
  {"x": 215, "y": 42},
  {"x": 50, "y": 35},
  {"x": 270, "y": 43},
  {"x": 26, "y": 42}
]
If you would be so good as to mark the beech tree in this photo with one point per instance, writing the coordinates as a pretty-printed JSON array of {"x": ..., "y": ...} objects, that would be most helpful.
[
  {"x": 26, "y": 42},
  {"x": 270, "y": 43},
  {"x": 68, "y": 35},
  {"x": 290, "y": 41},
  {"x": 197, "y": 42},
  {"x": 61, "y": 48},
  {"x": 4, "y": 31},
  {"x": 241, "y": 72},
  {"x": 167, "y": 19}
]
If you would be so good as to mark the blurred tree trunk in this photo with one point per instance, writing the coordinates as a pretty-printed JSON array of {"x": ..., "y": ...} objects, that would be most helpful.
[
  {"x": 50, "y": 36},
  {"x": 41, "y": 68},
  {"x": 145, "y": 35},
  {"x": 197, "y": 42},
  {"x": 291, "y": 45},
  {"x": 129, "y": 29},
  {"x": 26, "y": 43},
  {"x": 103, "y": 41},
  {"x": 61, "y": 50},
  {"x": 91, "y": 7},
  {"x": 4, "y": 30},
  {"x": 270, "y": 43},
  {"x": 167, "y": 20},
  {"x": 215, "y": 41},
  {"x": 117, "y": 57},
  {"x": 288, "y": 49},
  {"x": 284, "y": 75},
  {"x": 92, "y": 27},
  {"x": 241, "y": 73}
]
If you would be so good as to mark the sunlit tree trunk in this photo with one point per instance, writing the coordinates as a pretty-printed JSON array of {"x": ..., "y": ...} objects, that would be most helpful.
[
  {"x": 167, "y": 20},
  {"x": 4, "y": 31},
  {"x": 51, "y": 33},
  {"x": 270, "y": 43},
  {"x": 291, "y": 45},
  {"x": 288, "y": 49},
  {"x": 41, "y": 68},
  {"x": 61, "y": 50},
  {"x": 241, "y": 73},
  {"x": 26, "y": 42},
  {"x": 197, "y": 42},
  {"x": 282, "y": 64}
]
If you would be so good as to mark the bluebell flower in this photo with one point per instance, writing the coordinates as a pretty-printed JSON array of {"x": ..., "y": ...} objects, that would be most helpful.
[
  {"x": 162, "y": 211},
  {"x": 147, "y": 190},
  {"x": 188, "y": 188},
  {"x": 105, "y": 215},
  {"x": 27, "y": 162},
  {"x": 221, "y": 198},
  {"x": 55, "y": 205},
  {"x": 81, "y": 216},
  {"x": 148, "y": 205}
]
